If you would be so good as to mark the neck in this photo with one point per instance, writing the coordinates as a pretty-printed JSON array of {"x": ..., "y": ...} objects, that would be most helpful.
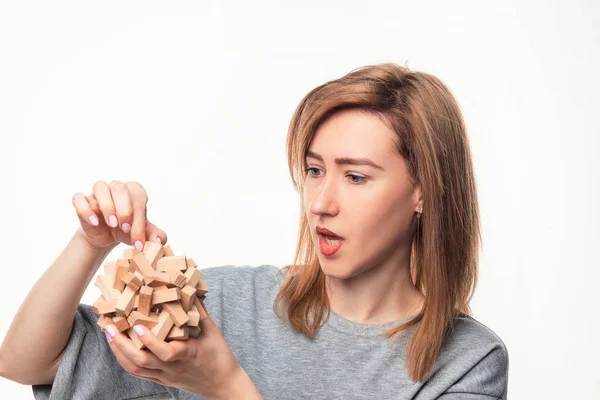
[{"x": 381, "y": 294}]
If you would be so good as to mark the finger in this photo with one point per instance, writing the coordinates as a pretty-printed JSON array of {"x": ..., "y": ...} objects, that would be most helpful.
[
  {"x": 122, "y": 201},
  {"x": 138, "y": 359},
  {"x": 155, "y": 233},
  {"x": 94, "y": 204},
  {"x": 133, "y": 369},
  {"x": 139, "y": 199},
  {"x": 102, "y": 193},
  {"x": 84, "y": 210},
  {"x": 165, "y": 351},
  {"x": 207, "y": 325}
]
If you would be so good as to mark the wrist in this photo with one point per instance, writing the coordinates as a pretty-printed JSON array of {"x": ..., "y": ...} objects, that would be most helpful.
[
  {"x": 81, "y": 240},
  {"x": 241, "y": 387}
]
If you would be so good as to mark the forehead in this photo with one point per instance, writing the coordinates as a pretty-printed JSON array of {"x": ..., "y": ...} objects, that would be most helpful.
[{"x": 354, "y": 133}]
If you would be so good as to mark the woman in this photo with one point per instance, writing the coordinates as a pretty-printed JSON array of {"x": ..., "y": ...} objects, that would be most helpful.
[{"x": 375, "y": 305}]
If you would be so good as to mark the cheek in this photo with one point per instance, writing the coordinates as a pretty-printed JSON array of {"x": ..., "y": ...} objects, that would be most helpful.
[{"x": 383, "y": 222}]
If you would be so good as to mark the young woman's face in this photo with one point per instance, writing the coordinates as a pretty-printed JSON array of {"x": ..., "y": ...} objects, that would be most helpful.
[{"x": 371, "y": 208}]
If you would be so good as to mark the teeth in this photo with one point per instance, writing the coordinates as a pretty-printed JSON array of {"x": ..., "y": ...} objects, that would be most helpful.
[{"x": 331, "y": 240}]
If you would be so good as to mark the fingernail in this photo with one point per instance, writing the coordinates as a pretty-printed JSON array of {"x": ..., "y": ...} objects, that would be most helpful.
[
  {"x": 126, "y": 227},
  {"x": 113, "y": 221},
  {"x": 158, "y": 240},
  {"x": 108, "y": 337},
  {"x": 110, "y": 330},
  {"x": 93, "y": 220},
  {"x": 138, "y": 245},
  {"x": 139, "y": 330}
]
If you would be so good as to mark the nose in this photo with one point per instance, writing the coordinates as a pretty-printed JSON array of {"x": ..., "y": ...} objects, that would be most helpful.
[{"x": 323, "y": 197}]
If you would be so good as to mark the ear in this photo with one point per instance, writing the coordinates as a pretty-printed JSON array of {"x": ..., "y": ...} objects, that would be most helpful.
[{"x": 417, "y": 197}]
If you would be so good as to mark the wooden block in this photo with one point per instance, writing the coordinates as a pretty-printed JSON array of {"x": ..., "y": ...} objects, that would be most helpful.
[
  {"x": 125, "y": 303},
  {"x": 121, "y": 323},
  {"x": 194, "y": 316},
  {"x": 171, "y": 263},
  {"x": 192, "y": 275},
  {"x": 153, "y": 251},
  {"x": 121, "y": 269},
  {"x": 188, "y": 294},
  {"x": 109, "y": 268},
  {"x": 191, "y": 263},
  {"x": 139, "y": 275},
  {"x": 179, "y": 280},
  {"x": 137, "y": 318},
  {"x": 194, "y": 331},
  {"x": 128, "y": 253},
  {"x": 201, "y": 309},
  {"x": 103, "y": 306},
  {"x": 145, "y": 300},
  {"x": 178, "y": 315},
  {"x": 178, "y": 333},
  {"x": 164, "y": 296},
  {"x": 157, "y": 279},
  {"x": 137, "y": 342},
  {"x": 103, "y": 321},
  {"x": 132, "y": 281},
  {"x": 168, "y": 250},
  {"x": 142, "y": 264},
  {"x": 105, "y": 284},
  {"x": 161, "y": 330},
  {"x": 201, "y": 288}
]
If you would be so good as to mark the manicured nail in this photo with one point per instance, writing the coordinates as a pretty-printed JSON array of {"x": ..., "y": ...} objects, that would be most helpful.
[
  {"x": 93, "y": 220},
  {"x": 138, "y": 245},
  {"x": 112, "y": 220},
  {"x": 110, "y": 330},
  {"x": 126, "y": 227},
  {"x": 158, "y": 240},
  {"x": 139, "y": 330},
  {"x": 108, "y": 337}
]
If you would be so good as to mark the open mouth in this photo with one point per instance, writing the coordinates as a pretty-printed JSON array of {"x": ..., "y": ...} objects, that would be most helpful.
[
  {"x": 329, "y": 245},
  {"x": 332, "y": 240}
]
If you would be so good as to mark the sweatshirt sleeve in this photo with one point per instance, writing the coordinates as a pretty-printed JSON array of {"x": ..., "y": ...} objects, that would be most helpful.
[
  {"x": 90, "y": 370},
  {"x": 486, "y": 380}
]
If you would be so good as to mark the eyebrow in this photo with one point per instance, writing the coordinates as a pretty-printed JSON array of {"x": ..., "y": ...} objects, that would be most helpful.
[{"x": 346, "y": 160}]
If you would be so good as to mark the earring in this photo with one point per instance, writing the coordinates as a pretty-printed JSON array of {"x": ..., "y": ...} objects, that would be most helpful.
[{"x": 419, "y": 212}]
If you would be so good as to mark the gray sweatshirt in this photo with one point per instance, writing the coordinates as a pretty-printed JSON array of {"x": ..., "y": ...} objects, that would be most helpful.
[{"x": 346, "y": 360}]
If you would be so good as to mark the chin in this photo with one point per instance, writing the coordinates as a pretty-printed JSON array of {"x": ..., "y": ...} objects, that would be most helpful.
[{"x": 332, "y": 272}]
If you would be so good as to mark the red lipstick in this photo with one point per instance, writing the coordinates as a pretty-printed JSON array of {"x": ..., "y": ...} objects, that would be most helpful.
[
  {"x": 329, "y": 242},
  {"x": 327, "y": 232}
]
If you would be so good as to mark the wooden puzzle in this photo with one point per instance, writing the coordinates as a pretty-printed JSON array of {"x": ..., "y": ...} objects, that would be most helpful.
[{"x": 154, "y": 288}]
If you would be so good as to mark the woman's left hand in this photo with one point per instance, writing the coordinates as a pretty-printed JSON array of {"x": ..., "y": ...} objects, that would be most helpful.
[{"x": 204, "y": 365}]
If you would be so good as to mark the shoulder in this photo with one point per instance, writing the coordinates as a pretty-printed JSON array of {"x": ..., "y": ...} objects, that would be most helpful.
[
  {"x": 476, "y": 358},
  {"x": 466, "y": 328}
]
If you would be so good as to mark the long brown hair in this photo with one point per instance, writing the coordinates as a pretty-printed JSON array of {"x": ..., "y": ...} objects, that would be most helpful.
[{"x": 432, "y": 139}]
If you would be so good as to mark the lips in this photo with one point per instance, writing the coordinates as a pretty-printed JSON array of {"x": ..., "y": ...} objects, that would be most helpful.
[{"x": 327, "y": 232}]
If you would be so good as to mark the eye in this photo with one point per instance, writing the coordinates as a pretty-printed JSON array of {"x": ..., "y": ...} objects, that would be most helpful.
[
  {"x": 356, "y": 179},
  {"x": 307, "y": 170},
  {"x": 361, "y": 179}
]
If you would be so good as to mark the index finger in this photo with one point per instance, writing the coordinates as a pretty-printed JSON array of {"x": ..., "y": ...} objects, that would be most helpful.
[
  {"x": 165, "y": 351},
  {"x": 139, "y": 199}
]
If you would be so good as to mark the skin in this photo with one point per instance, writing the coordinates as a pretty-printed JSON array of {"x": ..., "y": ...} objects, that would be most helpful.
[
  {"x": 368, "y": 279},
  {"x": 114, "y": 213}
]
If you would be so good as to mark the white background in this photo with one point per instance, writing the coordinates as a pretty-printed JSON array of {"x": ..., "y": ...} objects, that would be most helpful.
[{"x": 193, "y": 100}]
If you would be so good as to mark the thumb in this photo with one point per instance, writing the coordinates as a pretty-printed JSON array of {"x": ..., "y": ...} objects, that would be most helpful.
[
  {"x": 153, "y": 232},
  {"x": 207, "y": 325}
]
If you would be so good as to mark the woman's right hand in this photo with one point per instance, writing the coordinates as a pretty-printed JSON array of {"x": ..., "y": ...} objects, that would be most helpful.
[{"x": 116, "y": 213}]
